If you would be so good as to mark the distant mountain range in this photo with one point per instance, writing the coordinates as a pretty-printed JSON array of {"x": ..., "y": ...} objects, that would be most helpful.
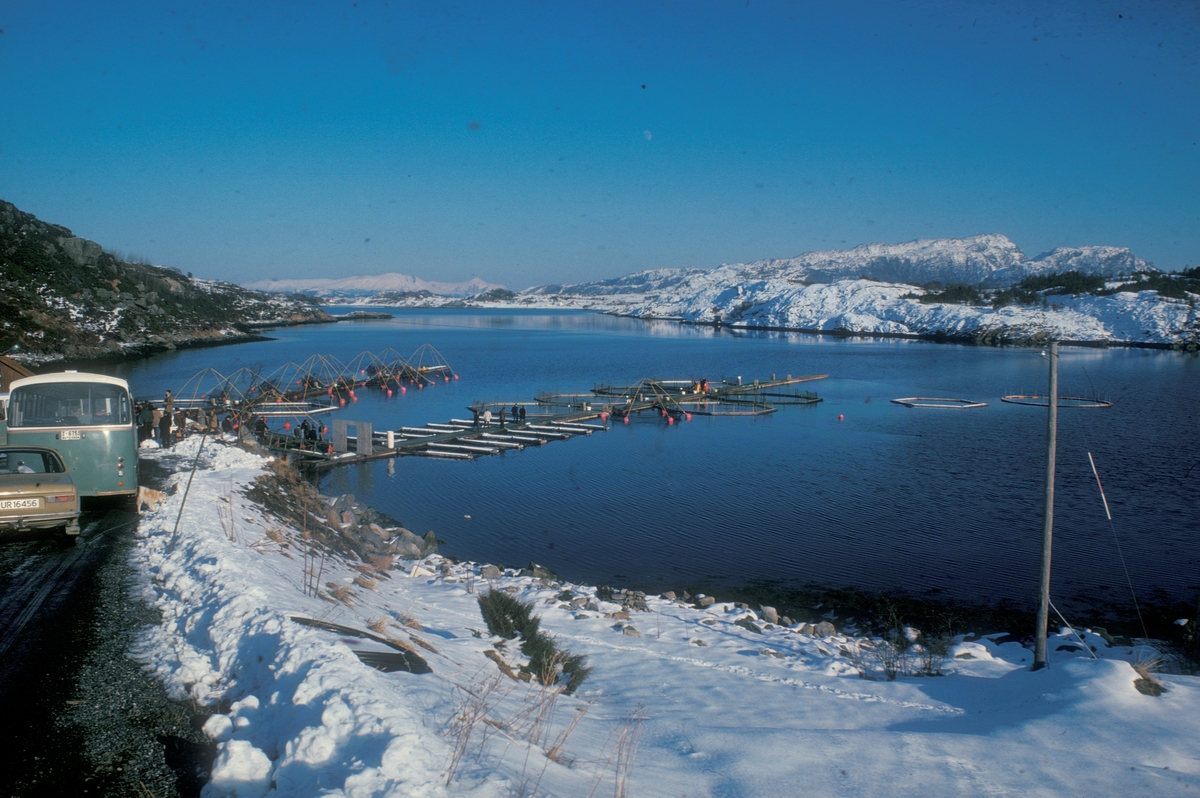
[
  {"x": 985, "y": 260},
  {"x": 358, "y": 288}
]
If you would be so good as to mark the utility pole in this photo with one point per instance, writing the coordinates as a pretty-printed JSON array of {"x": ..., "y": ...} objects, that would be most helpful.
[{"x": 1043, "y": 614}]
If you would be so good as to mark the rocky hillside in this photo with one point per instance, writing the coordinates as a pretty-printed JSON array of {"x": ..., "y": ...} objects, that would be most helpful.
[{"x": 64, "y": 297}]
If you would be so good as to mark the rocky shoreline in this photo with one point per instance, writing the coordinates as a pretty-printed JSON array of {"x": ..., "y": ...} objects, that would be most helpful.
[{"x": 987, "y": 338}]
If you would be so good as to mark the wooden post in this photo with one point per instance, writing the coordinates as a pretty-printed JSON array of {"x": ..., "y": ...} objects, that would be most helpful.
[{"x": 1043, "y": 614}]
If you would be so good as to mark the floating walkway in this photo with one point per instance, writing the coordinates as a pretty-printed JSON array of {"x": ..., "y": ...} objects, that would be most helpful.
[
  {"x": 501, "y": 426},
  {"x": 938, "y": 402},
  {"x": 458, "y": 439},
  {"x": 1041, "y": 400}
]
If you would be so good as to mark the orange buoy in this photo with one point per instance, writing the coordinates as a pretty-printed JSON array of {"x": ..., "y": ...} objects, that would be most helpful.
[
  {"x": 604, "y": 416},
  {"x": 341, "y": 401},
  {"x": 840, "y": 416},
  {"x": 456, "y": 376},
  {"x": 330, "y": 449},
  {"x": 389, "y": 391},
  {"x": 670, "y": 419},
  {"x": 626, "y": 419},
  {"x": 403, "y": 389},
  {"x": 287, "y": 425},
  {"x": 688, "y": 416}
]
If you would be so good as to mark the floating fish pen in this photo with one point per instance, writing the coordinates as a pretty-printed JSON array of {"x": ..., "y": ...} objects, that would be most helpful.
[
  {"x": 321, "y": 375},
  {"x": 1042, "y": 400},
  {"x": 495, "y": 427},
  {"x": 938, "y": 402}
]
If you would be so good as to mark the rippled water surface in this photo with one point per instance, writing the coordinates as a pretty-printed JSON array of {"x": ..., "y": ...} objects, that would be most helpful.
[{"x": 889, "y": 497}]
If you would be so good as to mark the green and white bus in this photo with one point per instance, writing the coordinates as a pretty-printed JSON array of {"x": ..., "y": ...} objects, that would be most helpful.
[{"x": 88, "y": 419}]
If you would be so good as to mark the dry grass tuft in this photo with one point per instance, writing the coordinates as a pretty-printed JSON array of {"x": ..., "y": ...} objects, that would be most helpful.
[
  {"x": 1147, "y": 684},
  {"x": 423, "y": 644},
  {"x": 365, "y": 581},
  {"x": 501, "y": 664},
  {"x": 403, "y": 619},
  {"x": 404, "y": 644},
  {"x": 378, "y": 626},
  {"x": 342, "y": 593}
]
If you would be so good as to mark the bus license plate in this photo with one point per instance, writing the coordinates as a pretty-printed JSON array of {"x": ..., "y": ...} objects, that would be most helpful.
[
  {"x": 20, "y": 504},
  {"x": 71, "y": 435}
]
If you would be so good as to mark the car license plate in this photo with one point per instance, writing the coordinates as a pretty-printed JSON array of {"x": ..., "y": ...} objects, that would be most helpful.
[
  {"x": 20, "y": 504},
  {"x": 71, "y": 435}
]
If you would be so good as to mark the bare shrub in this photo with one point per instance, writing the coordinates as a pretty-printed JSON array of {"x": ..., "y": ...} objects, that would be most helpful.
[
  {"x": 620, "y": 753},
  {"x": 932, "y": 651},
  {"x": 470, "y": 719}
]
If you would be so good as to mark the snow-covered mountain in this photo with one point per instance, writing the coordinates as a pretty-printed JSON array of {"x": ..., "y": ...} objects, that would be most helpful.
[
  {"x": 876, "y": 288},
  {"x": 368, "y": 285},
  {"x": 988, "y": 260}
]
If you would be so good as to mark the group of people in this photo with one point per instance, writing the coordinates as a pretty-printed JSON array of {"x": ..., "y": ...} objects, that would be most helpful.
[
  {"x": 168, "y": 424},
  {"x": 304, "y": 431},
  {"x": 517, "y": 415}
]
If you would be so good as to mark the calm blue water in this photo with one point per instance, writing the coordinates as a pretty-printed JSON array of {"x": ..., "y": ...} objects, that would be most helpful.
[{"x": 891, "y": 497}]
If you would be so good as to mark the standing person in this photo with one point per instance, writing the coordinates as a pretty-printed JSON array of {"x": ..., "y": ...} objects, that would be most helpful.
[
  {"x": 169, "y": 404},
  {"x": 514, "y": 414},
  {"x": 487, "y": 418},
  {"x": 164, "y": 429},
  {"x": 502, "y": 418},
  {"x": 146, "y": 420},
  {"x": 155, "y": 419},
  {"x": 522, "y": 414},
  {"x": 181, "y": 420}
]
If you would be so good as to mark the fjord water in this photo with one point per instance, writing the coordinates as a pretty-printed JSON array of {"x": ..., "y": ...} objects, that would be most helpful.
[{"x": 947, "y": 502}]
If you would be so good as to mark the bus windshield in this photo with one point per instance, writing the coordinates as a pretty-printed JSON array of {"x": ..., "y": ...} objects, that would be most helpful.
[{"x": 73, "y": 404}]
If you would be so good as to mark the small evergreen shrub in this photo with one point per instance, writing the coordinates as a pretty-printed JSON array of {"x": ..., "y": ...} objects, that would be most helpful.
[{"x": 507, "y": 616}]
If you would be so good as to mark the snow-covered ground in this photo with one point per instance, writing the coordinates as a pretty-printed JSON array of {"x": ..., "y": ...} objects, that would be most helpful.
[{"x": 680, "y": 701}]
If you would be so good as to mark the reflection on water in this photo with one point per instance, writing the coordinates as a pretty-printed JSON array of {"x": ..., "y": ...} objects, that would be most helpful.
[{"x": 890, "y": 497}]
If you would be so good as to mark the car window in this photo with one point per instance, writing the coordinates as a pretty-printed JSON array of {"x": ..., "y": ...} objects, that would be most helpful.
[{"x": 30, "y": 462}]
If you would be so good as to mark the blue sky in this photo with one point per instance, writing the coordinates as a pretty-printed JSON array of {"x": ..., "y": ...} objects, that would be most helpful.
[{"x": 531, "y": 142}]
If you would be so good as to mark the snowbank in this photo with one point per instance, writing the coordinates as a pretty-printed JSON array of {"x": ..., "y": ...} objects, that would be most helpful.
[{"x": 681, "y": 700}]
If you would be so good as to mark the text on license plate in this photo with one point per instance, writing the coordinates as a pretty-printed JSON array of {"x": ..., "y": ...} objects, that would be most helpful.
[
  {"x": 70, "y": 435},
  {"x": 20, "y": 504}
]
